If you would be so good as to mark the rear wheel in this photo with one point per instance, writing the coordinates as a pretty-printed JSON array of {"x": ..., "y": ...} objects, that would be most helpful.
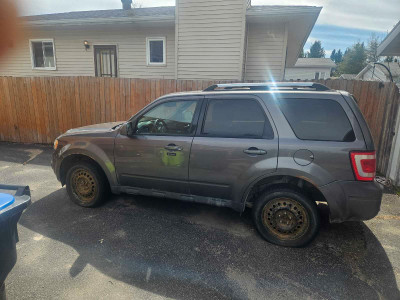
[
  {"x": 286, "y": 217},
  {"x": 86, "y": 184}
]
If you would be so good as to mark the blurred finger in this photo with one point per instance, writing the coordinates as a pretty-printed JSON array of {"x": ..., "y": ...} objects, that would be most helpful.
[{"x": 9, "y": 32}]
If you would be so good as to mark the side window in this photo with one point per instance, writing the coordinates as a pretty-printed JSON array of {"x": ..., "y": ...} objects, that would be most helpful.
[
  {"x": 236, "y": 119},
  {"x": 317, "y": 119},
  {"x": 168, "y": 118}
]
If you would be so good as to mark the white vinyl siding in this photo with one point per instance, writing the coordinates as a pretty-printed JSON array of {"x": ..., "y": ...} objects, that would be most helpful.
[
  {"x": 306, "y": 73},
  {"x": 210, "y": 38},
  {"x": 374, "y": 75},
  {"x": 266, "y": 49},
  {"x": 73, "y": 60}
]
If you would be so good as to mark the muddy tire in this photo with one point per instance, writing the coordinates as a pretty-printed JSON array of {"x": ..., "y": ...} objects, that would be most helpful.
[
  {"x": 286, "y": 217},
  {"x": 87, "y": 186}
]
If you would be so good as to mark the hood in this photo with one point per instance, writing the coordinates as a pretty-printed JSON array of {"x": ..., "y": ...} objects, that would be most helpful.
[{"x": 96, "y": 128}]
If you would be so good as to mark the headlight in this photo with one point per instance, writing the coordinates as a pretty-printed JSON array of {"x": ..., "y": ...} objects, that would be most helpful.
[{"x": 55, "y": 144}]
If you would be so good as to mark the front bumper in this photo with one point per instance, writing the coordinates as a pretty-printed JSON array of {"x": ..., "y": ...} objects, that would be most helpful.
[
  {"x": 55, "y": 164},
  {"x": 352, "y": 200}
]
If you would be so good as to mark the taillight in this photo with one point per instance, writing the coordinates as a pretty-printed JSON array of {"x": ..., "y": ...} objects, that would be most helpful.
[{"x": 364, "y": 165}]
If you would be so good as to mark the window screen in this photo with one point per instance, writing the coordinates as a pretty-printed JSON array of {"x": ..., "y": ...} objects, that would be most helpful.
[
  {"x": 236, "y": 118},
  {"x": 316, "y": 119}
]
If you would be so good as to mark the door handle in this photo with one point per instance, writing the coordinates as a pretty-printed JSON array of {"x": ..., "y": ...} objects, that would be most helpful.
[
  {"x": 255, "y": 151},
  {"x": 173, "y": 147}
]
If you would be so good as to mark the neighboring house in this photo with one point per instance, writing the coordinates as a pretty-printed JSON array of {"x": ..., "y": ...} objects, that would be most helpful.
[
  {"x": 348, "y": 76},
  {"x": 377, "y": 72},
  {"x": 310, "y": 69},
  {"x": 216, "y": 40}
]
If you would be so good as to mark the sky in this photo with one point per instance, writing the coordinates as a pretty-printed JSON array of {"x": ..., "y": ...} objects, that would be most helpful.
[{"x": 340, "y": 24}]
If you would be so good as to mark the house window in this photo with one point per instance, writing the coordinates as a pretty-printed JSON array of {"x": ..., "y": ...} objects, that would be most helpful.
[
  {"x": 156, "y": 51},
  {"x": 43, "y": 54},
  {"x": 316, "y": 75},
  {"x": 322, "y": 75}
]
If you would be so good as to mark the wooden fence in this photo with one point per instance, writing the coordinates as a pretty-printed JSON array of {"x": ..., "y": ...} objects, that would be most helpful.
[{"x": 38, "y": 109}]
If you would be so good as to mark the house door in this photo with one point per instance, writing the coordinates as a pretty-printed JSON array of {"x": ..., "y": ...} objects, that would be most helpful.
[{"x": 105, "y": 61}]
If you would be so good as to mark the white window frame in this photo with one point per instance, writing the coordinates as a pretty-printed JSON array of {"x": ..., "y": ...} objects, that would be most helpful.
[
  {"x": 33, "y": 58},
  {"x": 152, "y": 39}
]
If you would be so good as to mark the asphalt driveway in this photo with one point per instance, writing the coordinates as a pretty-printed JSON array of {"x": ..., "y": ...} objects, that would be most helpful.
[{"x": 140, "y": 247}]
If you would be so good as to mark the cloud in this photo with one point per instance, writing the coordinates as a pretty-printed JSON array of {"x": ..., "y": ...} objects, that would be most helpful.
[
  {"x": 377, "y": 15},
  {"x": 311, "y": 40}
]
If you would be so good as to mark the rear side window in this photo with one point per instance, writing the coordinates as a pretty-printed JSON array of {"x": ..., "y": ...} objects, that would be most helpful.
[
  {"x": 236, "y": 119},
  {"x": 317, "y": 119}
]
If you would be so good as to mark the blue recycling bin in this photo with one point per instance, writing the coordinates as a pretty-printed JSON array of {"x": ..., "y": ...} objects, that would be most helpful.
[{"x": 12, "y": 204}]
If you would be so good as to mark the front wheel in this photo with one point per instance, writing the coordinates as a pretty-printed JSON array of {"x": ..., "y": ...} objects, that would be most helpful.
[
  {"x": 286, "y": 217},
  {"x": 86, "y": 184}
]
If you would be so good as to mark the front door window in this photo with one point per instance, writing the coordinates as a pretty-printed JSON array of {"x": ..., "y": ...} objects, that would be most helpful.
[
  {"x": 105, "y": 59},
  {"x": 168, "y": 118}
]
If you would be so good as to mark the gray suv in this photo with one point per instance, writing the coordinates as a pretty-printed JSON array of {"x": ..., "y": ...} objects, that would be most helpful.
[{"x": 278, "y": 148}]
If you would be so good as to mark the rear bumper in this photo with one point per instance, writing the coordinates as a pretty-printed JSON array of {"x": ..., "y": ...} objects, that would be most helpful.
[{"x": 352, "y": 200}]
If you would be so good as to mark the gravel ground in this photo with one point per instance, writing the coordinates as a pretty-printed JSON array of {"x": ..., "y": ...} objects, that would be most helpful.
[{"x": 148, "y": 248}]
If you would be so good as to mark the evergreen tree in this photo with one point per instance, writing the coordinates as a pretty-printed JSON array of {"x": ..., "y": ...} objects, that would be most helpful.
[
  {"x": 354, "y": 60},
  {"x": 316, "y": 50},
  {"x": 333, "y": 55},
  {"x": 338, "y": 57}
]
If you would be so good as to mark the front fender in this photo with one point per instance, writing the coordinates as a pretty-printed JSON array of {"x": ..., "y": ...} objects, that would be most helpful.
[{"x": 103, "y": 155}]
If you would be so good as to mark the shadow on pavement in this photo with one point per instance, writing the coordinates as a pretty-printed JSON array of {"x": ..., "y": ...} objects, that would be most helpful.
[
  {"x": 186, "y": 250},
  {"x": 25, "y": 153}
]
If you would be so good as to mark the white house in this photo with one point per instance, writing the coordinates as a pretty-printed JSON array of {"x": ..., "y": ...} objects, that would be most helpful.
[
  {"x": 196, "y": 39},
  {"x": 310, "y": 68},
  {"x": 385, "y": 71}
]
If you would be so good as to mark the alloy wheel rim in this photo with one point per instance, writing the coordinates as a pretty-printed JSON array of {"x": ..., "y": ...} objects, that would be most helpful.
[{"x": 285, "y": 218}]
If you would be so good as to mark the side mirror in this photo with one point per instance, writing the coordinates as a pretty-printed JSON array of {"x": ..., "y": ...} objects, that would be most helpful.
[{"x": 130, "y": 129}]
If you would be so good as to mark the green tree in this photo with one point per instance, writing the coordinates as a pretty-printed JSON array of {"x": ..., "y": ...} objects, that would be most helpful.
[
  {"x": 316, "y": 50},
  {"x": 333, "y": 55},
  {"x": 338, "y": 56},
  {"x": 354, "y": 60},
  {"x": 372, "y": 51}
]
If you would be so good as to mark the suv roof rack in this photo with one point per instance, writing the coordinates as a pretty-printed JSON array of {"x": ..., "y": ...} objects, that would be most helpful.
[{"x": 268, "y": 86}]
